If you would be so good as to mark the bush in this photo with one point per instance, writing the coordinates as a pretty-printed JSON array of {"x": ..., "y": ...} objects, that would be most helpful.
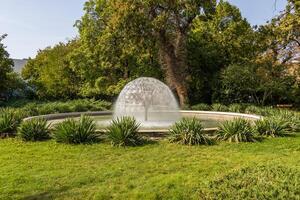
[
  {"x": 34, "y": 130},
  {"x": 9, "y": 121},
  {"x": 201, "y": 106},
  {"x": 237, "y": 108},
  {"x": 294, "y": 124},
  {"x": 253, "y": 110},
  {"x": 271, "y": 127},
  {"x": 72, "y": 131},
  {"x": 189, "y": 132},
  {"x": 237, "y": 130},
  {"x": 219, "y": 107},
  {"x": 257, "y": 182},
  {"x": 124, "y": 132},
  {"x": 292, "y": 119},
  {"x": 80, "y": 105}
]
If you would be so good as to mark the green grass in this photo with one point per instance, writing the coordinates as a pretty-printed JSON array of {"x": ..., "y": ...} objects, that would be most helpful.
[{"x": 48, "y": 170}]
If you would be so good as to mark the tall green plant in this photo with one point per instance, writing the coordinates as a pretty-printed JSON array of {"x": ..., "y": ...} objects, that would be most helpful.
[
  {"x": 237, "y": 130},
  {"x": 189, "y": 132},
  {"x": 124, "y": 132},
  {"x": 72, "y": 131},
  {"x": 34, "y": 130},
  {"x": 9, "y": 121},
  {"x": 271, "y": 127}
]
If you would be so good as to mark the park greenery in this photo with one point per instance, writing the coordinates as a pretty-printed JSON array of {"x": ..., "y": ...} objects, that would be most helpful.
[
  {"x": 210, "y": 57},
  {"x": 205, "y": 57}
]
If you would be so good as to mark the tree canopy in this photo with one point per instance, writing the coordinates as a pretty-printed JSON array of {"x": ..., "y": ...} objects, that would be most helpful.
[
  {"x": 203, "y": 49},
  {"x": 9, "y": 80}
]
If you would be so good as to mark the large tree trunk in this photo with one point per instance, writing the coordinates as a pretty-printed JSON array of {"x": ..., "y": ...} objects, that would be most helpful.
[{"x": 173, "y": 59}]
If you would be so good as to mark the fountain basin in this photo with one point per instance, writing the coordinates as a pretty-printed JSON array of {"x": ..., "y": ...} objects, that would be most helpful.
[{"x": 210, "y": 119}]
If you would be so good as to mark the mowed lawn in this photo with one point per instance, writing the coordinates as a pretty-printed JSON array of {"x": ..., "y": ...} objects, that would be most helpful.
[{"x": 47, "y": 170}]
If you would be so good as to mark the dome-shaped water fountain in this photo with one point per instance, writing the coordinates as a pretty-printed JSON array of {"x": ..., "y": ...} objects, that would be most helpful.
[{"x": 149, "y": 101}]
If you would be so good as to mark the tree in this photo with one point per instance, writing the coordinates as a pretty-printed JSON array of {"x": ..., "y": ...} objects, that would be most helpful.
[
  {"x": 153, "y": 28},
  {"x": 227, "y": 38},
  {"x": 260, "y": 82},
  {"x": 51, "y": 73},
  {"x": 281, "y": 36},
  {"x": 6, "y": 68}
]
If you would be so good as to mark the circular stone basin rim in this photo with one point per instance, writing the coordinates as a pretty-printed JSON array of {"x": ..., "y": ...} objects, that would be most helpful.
[{"x": 222, "y": 116}]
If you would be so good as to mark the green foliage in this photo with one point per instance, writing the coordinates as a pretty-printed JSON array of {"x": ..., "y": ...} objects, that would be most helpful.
[
  {"x": 252, "y": 109},
  {"x": 124, "y": 132},
  {"x": 201, "y": 106},
  {"x": 9, "y": 121},
  {"x": 51, "y": 73},
  {"x": 34, "y": 130},
  {"x": 139, "y": 39},
  {"x": 260, "y": 83},
  {"x": 257, "y": 182},
  {"x": 158, "y": 171},
  {"x": 213, "y": 44},
  {"x": 290, "y": 118},
  {"x": 10, "y": 81},
  {"x": 73, "y": 131},
  {"x": 238, "y": 108},
  {"x": 237, "y": 130},
  {"x": 189, "y": 132},
  {"x": 80, "y": 105},
  {"x": 219, "y": 107},
  {"x": 271, "y": 127}
]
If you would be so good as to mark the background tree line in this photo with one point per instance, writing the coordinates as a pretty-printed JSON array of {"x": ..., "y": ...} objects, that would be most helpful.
[{"x": 204, "y": 50}]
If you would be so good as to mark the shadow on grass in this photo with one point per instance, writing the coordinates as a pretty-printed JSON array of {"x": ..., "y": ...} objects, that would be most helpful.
[
  {"x": 260, "y": 139},
  {"x": 48, "y": 195},
  {"x": 290, "y": 135}
]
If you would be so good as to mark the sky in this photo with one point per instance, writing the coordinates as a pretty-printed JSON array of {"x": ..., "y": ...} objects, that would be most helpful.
[{"x": 35, "y": 24}]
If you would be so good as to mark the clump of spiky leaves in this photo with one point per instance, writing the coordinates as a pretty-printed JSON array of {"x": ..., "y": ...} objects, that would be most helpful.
[
  {"x": 219, "y": 107},
  {"x": 124, "y": 132},
  {"x": 271, "y": 127},
  {"x": 201, "y": 106},
  {"x": 34, "y": 130},
  {"x": 9, "y": 121},
  {"x": 236, "y": 108},
  {"x": 72, "y": 131},
  {"x": 189, "y": 131},
  {"x": 237, "y": 130},
  {"x": 253, "y": 110},
  {"x": 291, "y": 118}
]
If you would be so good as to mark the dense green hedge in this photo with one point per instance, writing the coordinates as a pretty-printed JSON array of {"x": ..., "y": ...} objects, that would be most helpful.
[{"x": 32, "y": 108}]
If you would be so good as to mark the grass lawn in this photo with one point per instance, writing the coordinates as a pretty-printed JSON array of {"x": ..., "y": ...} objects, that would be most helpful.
[{"x": 47, "y": 170}]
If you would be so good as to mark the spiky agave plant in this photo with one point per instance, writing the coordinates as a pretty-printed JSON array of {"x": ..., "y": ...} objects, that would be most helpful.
[
  {"x": 253, "y": 110},
  {"x": 189, "y": 131},
  {"x": 34, "y": 130},
  {"x": 235, "y": 108},
  {"x": 291, "y": 118},
  {"x": 72, "y": 131},
  {"x": 237, "y": 130},
  {"x": 271, "y": 127},
  {"x": 124, "y": 132},
  {"x": 9, "y": 121}
]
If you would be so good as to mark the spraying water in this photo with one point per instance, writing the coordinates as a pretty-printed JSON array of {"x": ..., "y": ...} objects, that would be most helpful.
[{"x": 149, "y": 101}]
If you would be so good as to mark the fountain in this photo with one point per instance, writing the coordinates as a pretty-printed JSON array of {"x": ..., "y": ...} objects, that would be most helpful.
[
  {"x": 153, "y": 105},
  {"x": 149, "y": 101}
]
